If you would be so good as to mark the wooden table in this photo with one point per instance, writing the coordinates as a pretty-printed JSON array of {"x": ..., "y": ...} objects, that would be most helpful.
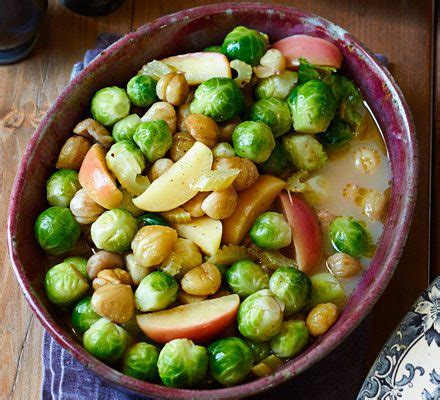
[{"x": 403, "y": 30}]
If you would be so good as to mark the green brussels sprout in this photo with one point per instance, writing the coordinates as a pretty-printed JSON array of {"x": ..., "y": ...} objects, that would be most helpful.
[
  {"x": 230, "y": 360},
  {"x": 260, "y": 316},
  {"x": 326, "y": 289},
  {"x": 105, "y": 340},
  {"x": 141, "y": 90},
  {"x": 140, "y": 362},
  {"x": 223, "y": 150},
  {"x": 349, "y": 236},
  {"x": 154, "y": 138},
  {"x": 124, "y": 129},
  {"x": 156, "y": 291},
  {"x": 83, "y": 316},
  {"x": 352, "y": 109},
  {"x": 109, "y": 105},
  {"x": 245, "y": 278},
  {"x": 61, "y": 187},
  {"x": 213, "y": 49},
  {"x": 313, "y": 106},
  {"x": 276, "y": 162},
  {"x": 65, "y": 285},
  {"x": 218, "y": 98},
  {"x": 182, "y": 363},
  {"x": 291, "y": 339},
  {"x": 151, "y": 219},
  {"x": 292, "y": 287},
  {"x": 307, "y": 72},
  {"x": 274, "y": 113},
  {"x": 80, "y": 263},
  {"x": 114, "y": 230},
  {"x": 260, "y": 350},
  {"x": 127, "y": 162},
  {"x": 271, "y": 231},
  {"x": 278, "y": 86},
  {"x": 245, "y": 44},
  {"x": 304, "y": 151},
  {"x": 128, "y": 205},
  {"x": 253, "y": 140},
  {"x": 56, "y": 230},
  {"x": 337, "y": 134}
]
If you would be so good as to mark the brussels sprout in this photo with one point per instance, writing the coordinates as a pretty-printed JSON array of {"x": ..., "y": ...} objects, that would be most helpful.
[
  {"x": 278, "y": 86},
  {"x": 213, "y": 49},
  {"x": 337, "y": 134},
  {"x": 182, "y": 363},
  {"x": 349, "y": 236},
  {"x": 128, "y": 205},
  {"x": 151, "y": 219},
  {"x": 109, "y": 105},
  {"x": 260, "y": 316},
  {"x": 291, "y": 339},
  {"x": 313, "y": 106},
  {"x": 292, "y": 287},
  {"x": 230, "y": 360},
  {"x": 274, "y": 113},
  {"x": 223, "y": 150},
  {"x": 140, "y": 361},
  {"x": 271, "y": 231},
  {"x": 276, "y": 162},
  {"x": 141, "y": 90},
  {"x": 245, "y": 44},
  {"x": 56, "y": 230},
  {"x": 156, "y": 291},
  {"x": 253, "y": 140},
  {"x": 154, "y": 139},
  {"x": 61, "y": 187},
  {"x": 105, "y": 340},
  {"x": 80, "y": 263},
  {"x": 114, "y": 230},
  {"x": 218, "y": 98},
  {"x": 304, "y": 151},
  {"x": 127, "y": 162},
  {"x": 352, "y": 109},
  {"x": 326, "y": 289},
  {"x": 245, "y": 278},
  {"x": 124, "y": 129},
  {"x": 306, "y": 72},
  {"x": 83, "y": 316},
  {"x": 260, "y": 350},
  {"x": 65, "y": 285}
]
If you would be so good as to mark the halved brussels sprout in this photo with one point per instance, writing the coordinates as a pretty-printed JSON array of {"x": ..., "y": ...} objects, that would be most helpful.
[
  {"x": 124, "y": 129},
  {"x": 326, "y": 289},
  {"x": 109, "y": 105},
  {"x": 141, "y": 90},
  {"x": 80, "y": 263},
  {"x": 140, "y": 362},
  {"x": 114, "y": 230},
  {"x": 245, "y": 278},
  {"x": 304, "y": 151},
  {"x": 274, "y": 113},
  {"x": 61, "y": 187},
  {"x": 245, "y": 44},
  {"x": 260, "y": 350},
  {"x": 65, "y": 285},
  {"x": 56, "y": 230},
  {"x": 271, "y": 231},
  {"x": 230, "y": 360},
  {"x": 337, "y": 134},
  {"x": 105, "y": 340},
  {"x": 292, "y": 287},
  {"x": 276, "y": 162},
  {"x": 83, "y": 316},
  {"x": 352, "y": 109},
  {"x": 156, "y": 291},
  {"x": 253, "y": 140},
  {"x": 218, "y": 98},
  {"x": 154, "y": 138},
  {"x": 151, "y": 219},
  {"x": 307, "y": 72},
  {"x": 278, "y": 86},
  {"x": 182, "y": 363},
  {"x": 291, "y": 339}
]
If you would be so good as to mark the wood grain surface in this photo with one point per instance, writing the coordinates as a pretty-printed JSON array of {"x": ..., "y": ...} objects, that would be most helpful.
[{"x": 403, "y": 30}]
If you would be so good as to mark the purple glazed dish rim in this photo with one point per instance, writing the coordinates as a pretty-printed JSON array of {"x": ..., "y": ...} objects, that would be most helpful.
[{"x": 375, "y": 284}]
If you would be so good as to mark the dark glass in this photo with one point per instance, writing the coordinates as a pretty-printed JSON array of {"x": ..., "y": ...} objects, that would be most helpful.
[
  {"x": 92, "y": 7},
  {"x": 20, "y": 22}
]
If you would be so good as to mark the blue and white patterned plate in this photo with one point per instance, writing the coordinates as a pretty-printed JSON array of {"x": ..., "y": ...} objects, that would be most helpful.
[{"x": 409, "y": 365}]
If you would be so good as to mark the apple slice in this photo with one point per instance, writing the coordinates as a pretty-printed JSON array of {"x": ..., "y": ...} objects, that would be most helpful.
[
  {"x": 306, "y": 232},
  {"x": 173, "y": 188},
  {"x": 199, "y": 67},
  {"x": 205, "y": 232},
  {"x": 199, "y": 322},
  {"x": 96, "y": 179},
  {"x": 315, "y": 50}
]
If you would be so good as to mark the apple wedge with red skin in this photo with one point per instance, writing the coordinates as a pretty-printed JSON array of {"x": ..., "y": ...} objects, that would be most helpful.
[
  {"x": 199, "y": 322},
  {"x": 306, "y": 231}
]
